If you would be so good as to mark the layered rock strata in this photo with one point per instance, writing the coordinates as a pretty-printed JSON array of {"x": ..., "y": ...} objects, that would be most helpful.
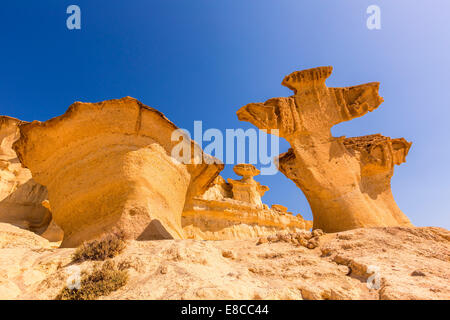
[
  {"x": 247, "y": 189},
  {"x": 346, "y": 181},
  {"x": 234, "y": 210},
  {"x": 20, "y": 195},
  {"x": 108, "y": 167}
]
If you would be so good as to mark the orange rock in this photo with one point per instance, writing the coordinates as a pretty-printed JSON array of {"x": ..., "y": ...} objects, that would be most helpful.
[
  {"x": 20, "y": 195},
  {"x": 346, "y": 181},
  {"x": 279, "y": 207},
  {"x": 108, "y": 166}
]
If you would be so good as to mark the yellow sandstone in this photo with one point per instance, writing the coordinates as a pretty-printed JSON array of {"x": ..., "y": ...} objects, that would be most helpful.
[
  {"x": 234, "y": 210},
  {"x": 346, "y": 181},
  {"x": 108, "y": 167},
  {"x": 20, "y": 195}
]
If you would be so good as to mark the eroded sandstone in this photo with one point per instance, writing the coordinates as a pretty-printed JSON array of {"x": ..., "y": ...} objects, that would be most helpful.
[
  {"x": 108, "y": 167},
  {"x": 247, "y": 189},
  {"x": 339, "y": 268},
  {"x": 20, "y": 195},
  {"x": 346, "y": 181}
]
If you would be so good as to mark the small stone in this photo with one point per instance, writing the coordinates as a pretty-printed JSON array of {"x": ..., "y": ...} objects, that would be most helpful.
[
  {"x": 344, "y": 269},
  {"x": 313, "y": 243},
  {"x": 300, "y": 234},
  {"x": 418, "y": 273},
  {"x": 252, "y": 270},
  {"x": 279, "y": 208},
  {"x": 228, "y": 254}
]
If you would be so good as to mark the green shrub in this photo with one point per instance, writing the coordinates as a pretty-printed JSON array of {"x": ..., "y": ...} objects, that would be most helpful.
[
  {"x": 100, "y": 282},
  {"x": 106, "y": 247}
]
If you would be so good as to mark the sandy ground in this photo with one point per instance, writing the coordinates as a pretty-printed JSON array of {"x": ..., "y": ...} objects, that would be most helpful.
[{"x": 378, "y": 263}]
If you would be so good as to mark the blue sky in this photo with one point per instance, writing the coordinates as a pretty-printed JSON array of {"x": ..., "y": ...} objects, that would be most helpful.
[{"x": 203, "y": 60}]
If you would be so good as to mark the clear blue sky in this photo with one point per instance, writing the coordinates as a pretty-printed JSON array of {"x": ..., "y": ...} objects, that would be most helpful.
[{"x": 204, "y": 59}]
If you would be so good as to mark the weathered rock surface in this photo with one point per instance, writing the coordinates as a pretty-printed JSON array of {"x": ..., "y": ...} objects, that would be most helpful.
[
  {"x": 234, "y": 210},
  {"x": 396, "y": 255},
  {"x": 12, "y": 237},
  {"x": 232, "y": 269},
  {"x": 20, "y": 195},
  {"x": 53, "y": 232},
  {"x": 346, "y": 181},
  {"x": 228, "y": 220},
  {"x": 247, "y": 189},
  {"x": 108, "y": 166}
]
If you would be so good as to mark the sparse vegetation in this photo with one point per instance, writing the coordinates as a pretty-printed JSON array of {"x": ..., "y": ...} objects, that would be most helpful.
[
  {"x": 106, "y": 247},
  {"x": 100, "y": 282}
]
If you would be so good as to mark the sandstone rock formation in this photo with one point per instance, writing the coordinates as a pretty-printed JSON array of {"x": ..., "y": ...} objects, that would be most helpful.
[
  {"x": 53, "y": 232},
  {"x": 411, "y": 263},
  {"x": 20, "y": 195},
  {"x": 234, "y": 210},
  {"x": 346, "y": 181},
  {"x": 12, "y": 237},
  {"x": 108, "y": 166},
  {"x": 247, "y": 189}
]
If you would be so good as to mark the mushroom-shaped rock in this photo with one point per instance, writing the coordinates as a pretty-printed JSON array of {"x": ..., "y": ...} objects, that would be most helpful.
[
  {"x": 20, "y": 195},
  {"x": 346, "y": 181},
  {"x": 108, "y": 167},
  {"x": 247, "y": 189},
  {"x": 53, "y": 233}
]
